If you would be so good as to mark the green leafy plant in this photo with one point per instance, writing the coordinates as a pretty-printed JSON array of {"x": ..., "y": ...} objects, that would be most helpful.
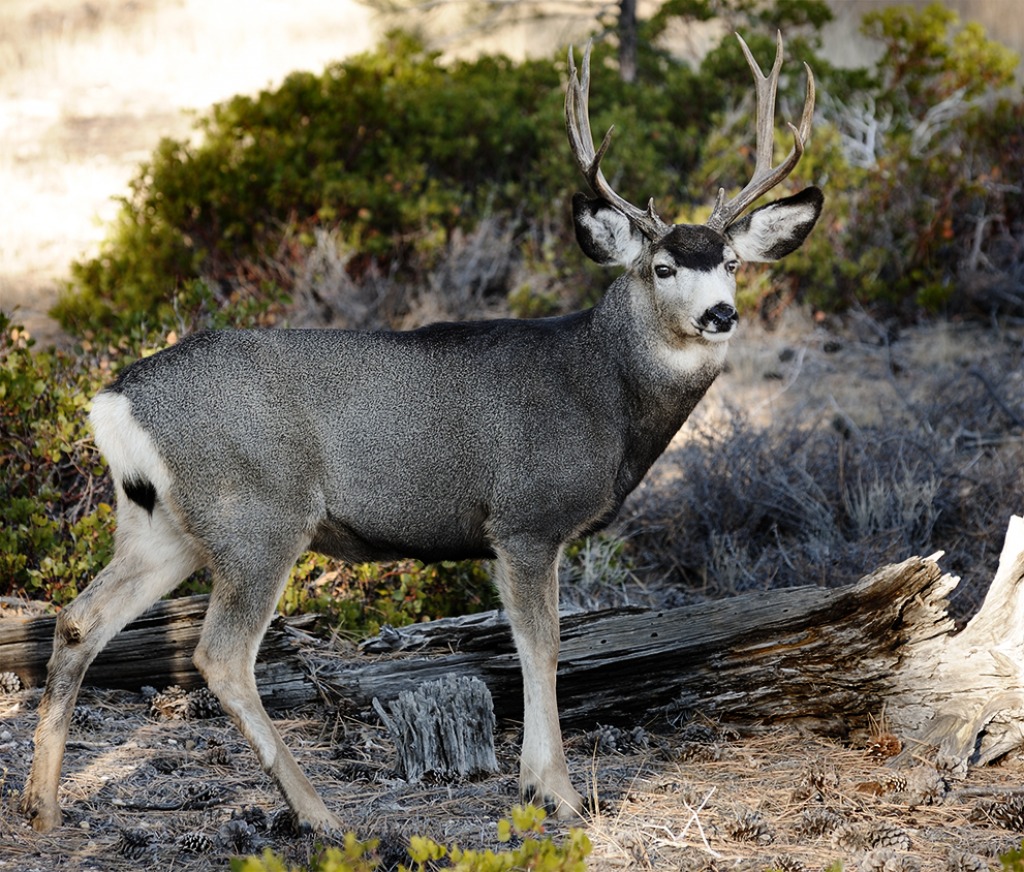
[
  {"x": 533, "y": 851},
  {"x": 55, "y": 509},
  {"x": 358, "y": 599},
  {"x": 1013, "y": 860}
]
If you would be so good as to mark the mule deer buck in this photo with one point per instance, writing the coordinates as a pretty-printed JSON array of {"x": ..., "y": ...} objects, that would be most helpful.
[{"x": 239, "y": 450}]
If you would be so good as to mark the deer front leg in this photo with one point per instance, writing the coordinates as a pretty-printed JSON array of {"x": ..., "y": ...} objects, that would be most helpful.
[{"x": 529, "y": 592}]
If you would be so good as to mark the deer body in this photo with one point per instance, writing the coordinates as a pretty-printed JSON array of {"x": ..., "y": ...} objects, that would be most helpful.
[
  {"x": 481, "y": 429},
  {"x": 239, "y": 450}
]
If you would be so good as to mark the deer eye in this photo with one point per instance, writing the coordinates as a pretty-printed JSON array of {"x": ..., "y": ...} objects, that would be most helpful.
[
  {"x": 664, "y": 271},
  {"x": 732, "y": 266}
]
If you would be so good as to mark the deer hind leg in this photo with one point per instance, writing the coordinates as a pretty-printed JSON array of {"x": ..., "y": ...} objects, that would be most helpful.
[
  {"x": 529, "y": 592},
  {"x": 150, "y": 559},
  {"x": 241, "y": 608}
]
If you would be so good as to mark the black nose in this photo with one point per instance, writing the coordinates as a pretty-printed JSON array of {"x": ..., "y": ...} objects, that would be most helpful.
[{"x": 721, "y": 316}]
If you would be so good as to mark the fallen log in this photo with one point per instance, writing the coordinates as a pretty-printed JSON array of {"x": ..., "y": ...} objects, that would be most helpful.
[
  {"x": 829, "y": 658},
  {"x": 157, "y": 650}
]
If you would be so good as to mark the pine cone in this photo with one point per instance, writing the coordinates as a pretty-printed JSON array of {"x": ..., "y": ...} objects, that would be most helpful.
[
  {"x": 882, "y": 746},
  {"x": 815, "y": 822},
  {"x": 851, "y": 837},
  {"x": 888, "y": 860},
  {"x": 135, "y": 843},
  {"x": 171, "y": 703},
  {"x": 9, "y": 682},
  {"x": 285, "y": 825},
  {"x": 203, "y": 704},
  {"x": 238, "y": 837},
  {"x": 965, "y": 861},
  {"x": 605, "y": 739},
  {"x": 253, "y": 815},
  {"x": 925, "y": 786},
  {"x": 701, "y": 733},
  {"x": 787, "y": 864},
  {"x": 951, "y": 768},
  {"x": 887, "y": 835},
  {"x": 201, "y": 794},
  {"x": 218, "y": 755},
  {"x": 1009, "y": 813},
  {"x": 817, "y": 781},
  {"x": 195, "y": 843},
  {"x": 892, "y": 782},
  {"x": 698, "y": 752},
  {"x": 750, "y": 827},
  {"x": 86, "y": 718}
]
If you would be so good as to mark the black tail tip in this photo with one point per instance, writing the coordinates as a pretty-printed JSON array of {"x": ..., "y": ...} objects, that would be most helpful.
[{"x": 141, "y": 492}]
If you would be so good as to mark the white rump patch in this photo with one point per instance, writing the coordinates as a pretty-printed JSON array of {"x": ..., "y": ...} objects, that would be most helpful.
[{"x": 127, "y": 447}]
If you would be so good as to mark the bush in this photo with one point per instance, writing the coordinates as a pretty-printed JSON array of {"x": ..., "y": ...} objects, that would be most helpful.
[
  {"x": 55, "y": 514},
  {"x": 533, "y": 851},
  {"x": 789, "y": 504},
  {"x": 394, "y": 155},
  {"x": 397, "y": 157},
  {"x": 927, "y": 227}
]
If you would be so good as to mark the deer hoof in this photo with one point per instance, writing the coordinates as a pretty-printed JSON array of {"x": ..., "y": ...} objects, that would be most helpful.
[
  {"x": 565, "y": 804},
  {"x": 44, "y": 816}
]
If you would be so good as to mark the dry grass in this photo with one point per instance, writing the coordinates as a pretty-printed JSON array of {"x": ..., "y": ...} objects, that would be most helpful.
[
  {"x": 139, "y": 788},
  {"x": 826, "y": 452}
]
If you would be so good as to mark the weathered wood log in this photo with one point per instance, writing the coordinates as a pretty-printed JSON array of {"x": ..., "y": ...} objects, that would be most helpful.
[
  {"x": 772, "y": 656},
  {"x": 157, "y": 650},
  {"x": 831, "y": 658},
  {"x": 964, "y": 692}
]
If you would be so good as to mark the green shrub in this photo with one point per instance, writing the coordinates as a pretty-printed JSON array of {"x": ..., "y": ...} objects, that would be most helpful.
[
  {"x": 391, "y": 150},
  {"x": 55, "y": 514},
  {"x": 394, "y": 153},
  {"x": 927, "y": 224},
  {"x": 358, "y": 599},
  {"x": 389, "y": 146},
  {"x": 533, "y": 851}
]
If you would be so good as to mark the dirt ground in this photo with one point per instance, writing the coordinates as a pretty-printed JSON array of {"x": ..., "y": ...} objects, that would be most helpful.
[{"x": 188, "y": 794}]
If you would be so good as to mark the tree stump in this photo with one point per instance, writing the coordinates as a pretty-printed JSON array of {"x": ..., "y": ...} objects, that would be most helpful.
[{"x": 444, "y": 729}]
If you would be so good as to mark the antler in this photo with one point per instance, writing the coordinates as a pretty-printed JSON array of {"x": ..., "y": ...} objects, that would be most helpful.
[
  {"x": 581, "y": 141},
  {"x": 765, "y": 178}
]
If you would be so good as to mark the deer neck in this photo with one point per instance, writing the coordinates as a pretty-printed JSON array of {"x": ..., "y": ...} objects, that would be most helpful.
[{"x": 665, "y": 370}]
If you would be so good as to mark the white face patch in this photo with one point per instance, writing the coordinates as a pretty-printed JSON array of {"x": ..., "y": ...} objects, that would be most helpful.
[{"x": 684, "y": 297}]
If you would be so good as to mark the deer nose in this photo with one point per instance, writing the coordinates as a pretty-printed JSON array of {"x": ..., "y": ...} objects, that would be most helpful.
[{"x": 720, "y": 318}]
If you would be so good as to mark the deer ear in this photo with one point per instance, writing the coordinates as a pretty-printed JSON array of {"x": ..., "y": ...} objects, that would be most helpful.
[
  {"x": 775, "y": 230},
  {"x": 605, "y": 234}
]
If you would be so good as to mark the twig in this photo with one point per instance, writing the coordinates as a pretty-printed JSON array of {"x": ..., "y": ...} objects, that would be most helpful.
[
  {"x": 1015, "y": 419},
  {"x": 680, "y": 840}
]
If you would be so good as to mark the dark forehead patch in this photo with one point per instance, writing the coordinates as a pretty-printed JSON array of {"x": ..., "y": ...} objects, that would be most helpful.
[{"x": 694, "y": 246}]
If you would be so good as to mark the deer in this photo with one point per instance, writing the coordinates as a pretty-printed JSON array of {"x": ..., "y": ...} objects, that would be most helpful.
[{"x": 504, "y": 440}]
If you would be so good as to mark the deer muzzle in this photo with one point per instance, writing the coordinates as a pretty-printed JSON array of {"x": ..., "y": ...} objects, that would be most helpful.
[{"x": 720, "y": 318}]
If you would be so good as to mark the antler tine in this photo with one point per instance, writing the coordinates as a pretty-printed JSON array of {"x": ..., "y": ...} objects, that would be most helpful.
[
  {"x": 765, "y": 178},
  {"x": 581, "y": 142}
]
